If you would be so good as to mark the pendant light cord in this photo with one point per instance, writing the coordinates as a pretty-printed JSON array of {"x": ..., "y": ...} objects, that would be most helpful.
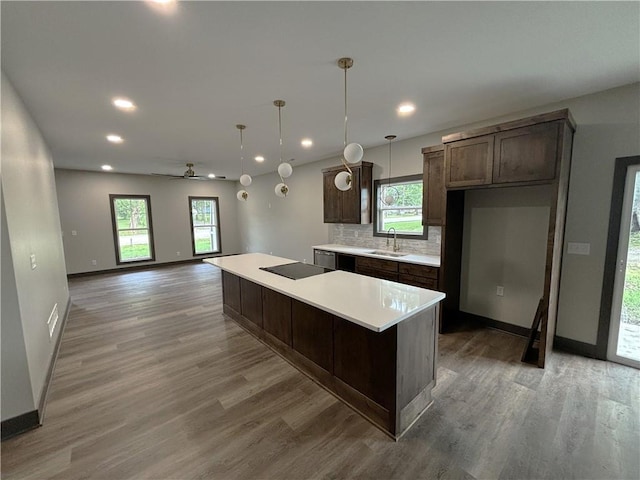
[
  {"x": 241, "y": 153},
  {"x": 280, "y": 134},
  {"x": 344, "y": 162}
]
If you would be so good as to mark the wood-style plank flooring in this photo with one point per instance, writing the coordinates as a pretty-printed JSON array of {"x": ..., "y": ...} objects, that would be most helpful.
[{"x": 153, "y": 382}]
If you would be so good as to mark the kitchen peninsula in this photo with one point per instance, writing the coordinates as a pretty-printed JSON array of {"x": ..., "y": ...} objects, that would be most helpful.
[{"x": 371, "y": 342}]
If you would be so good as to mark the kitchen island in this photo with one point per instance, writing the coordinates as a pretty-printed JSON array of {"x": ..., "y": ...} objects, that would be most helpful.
[{"x": 370, "y": 342}]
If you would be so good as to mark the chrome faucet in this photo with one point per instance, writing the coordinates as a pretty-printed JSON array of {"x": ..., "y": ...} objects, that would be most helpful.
[{"x": 395, "y": 246}]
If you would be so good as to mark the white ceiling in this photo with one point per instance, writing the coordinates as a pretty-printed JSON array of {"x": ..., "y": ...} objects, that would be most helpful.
[{"x": 198, "y": 72}]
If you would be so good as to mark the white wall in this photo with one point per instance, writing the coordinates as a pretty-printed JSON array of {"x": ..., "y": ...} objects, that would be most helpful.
[
  {"x": 504, "y": 244},
  {"x": 85, "y": 208},
  {"x": 33, "y": 227},
  {"x": 607, "y": 127}
]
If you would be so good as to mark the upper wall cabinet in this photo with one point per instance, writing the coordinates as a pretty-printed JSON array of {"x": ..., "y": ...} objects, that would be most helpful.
[
  {"x": 354, "y": 205},
  {"x": 434, "y": 192},
  {"x": 521, "y": 152}
]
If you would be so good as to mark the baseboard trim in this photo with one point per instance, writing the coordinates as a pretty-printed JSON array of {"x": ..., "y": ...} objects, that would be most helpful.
[
  {"x": 44, "y": 394},
  {"x": 20, "y": 424},
  {"x": 574, "y": 346},
  {"x": 495, "y": 324},
  {"x": 136, "y": 267}
]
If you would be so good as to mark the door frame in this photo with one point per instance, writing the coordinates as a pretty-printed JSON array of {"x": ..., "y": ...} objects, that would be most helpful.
[{"x": 611, "y": 256}]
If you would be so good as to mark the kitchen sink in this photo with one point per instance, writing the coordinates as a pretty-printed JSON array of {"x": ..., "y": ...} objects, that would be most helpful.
[{"x": 388, "y": 254}]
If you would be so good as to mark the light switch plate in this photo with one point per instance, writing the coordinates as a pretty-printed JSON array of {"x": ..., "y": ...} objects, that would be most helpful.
[
  {"x": 576, "y": 248},
  {"x": 32, "y": 257}
]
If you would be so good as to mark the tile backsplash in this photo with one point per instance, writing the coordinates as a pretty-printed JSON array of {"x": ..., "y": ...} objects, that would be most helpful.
[{"x": 362, "y": 236}]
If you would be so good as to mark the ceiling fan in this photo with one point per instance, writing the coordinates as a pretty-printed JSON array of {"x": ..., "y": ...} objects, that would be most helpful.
[{"x": 190, "y": 174}]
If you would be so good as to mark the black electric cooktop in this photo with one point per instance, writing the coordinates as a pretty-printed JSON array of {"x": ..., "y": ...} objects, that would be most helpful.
[{"x": 297, "y": 270}]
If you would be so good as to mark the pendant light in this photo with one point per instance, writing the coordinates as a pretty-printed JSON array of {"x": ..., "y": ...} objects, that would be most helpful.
[
  {"x": 352, "y": 152},
  {"x": 245, "y": 180},
  {"x": 389, "y": 195},
  {"x": 284, "y": 168}
]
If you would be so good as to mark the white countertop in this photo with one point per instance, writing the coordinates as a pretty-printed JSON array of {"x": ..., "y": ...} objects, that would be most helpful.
[
  {"x": 370, "y": 302},
  {"x": 430, "y": 260}
]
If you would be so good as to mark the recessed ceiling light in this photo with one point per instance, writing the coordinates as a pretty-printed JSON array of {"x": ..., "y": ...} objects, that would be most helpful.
[
  {"x": 406, "y": 108},
  {"x": 306, "y": 142},
  {"x": 166, "y": 6},
  {"x": 107, "y": 168},
  {"x": 115, "y": 138},
  {"x": 212, "y": 175},
  {"x": 259, "y": 159},
  {"x": 124, "y": 104}
]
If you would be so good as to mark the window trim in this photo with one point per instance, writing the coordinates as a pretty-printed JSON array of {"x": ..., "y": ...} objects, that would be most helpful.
[
  {"x": 114, "y": 227},
  {"x": 383, "y": 181},
  {"x": 218, "y": 227}
]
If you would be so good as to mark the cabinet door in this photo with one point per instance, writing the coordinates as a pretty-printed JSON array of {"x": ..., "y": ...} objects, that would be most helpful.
[
  {"x": 351, "y": 199},
  {"x": 276, "y": 314},
  {"x": 312, "y": 334},
  {"x": 526, "y": 154},
  {"x": 331, "y": 199},
  {"x": 251, "y": 301},
  {"x": 434, "y": 192},
  {"x": 469, "y": 162}
]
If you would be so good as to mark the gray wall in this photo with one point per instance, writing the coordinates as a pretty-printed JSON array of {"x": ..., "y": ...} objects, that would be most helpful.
[
  {"x": 32, "y": 227},
  {"x": 608, "y": 126},
  {"x": 85, "y": 209}
]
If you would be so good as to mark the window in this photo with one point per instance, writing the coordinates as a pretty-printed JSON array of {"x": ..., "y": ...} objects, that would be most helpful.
[
  {"x": 205, "y": 225},
  {"x": 405, "y": 213},
  {"x": 132, "y": 231}
]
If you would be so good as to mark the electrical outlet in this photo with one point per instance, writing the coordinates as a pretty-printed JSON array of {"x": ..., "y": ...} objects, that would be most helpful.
[
  {"x": 94, "y": 262},
  {"x": 356, "y": 234},
  {"x": 575, "y": 248},
  {"x": 177, "y": 254},
  {"x": 500, "y": 291},
  {"x": 74, "y": 233}
]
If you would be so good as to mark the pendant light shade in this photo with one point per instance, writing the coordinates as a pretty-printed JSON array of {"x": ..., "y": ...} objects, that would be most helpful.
[
  {"x": 242, "y": 195},
  {"x": 281, "y": 190},
  {"x": 284, "y": 169},
  {"x": 245, "y": 179},
  {"x": 342, "y": 181},
  {"x": 353, "y": 153}
]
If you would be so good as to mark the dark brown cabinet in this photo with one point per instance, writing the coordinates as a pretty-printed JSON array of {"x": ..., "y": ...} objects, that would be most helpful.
[
  {"x": 526, "y": 154},
  {"x": 530, "y": 151},
  {"x": 231, "y": 291},
  {"x": 434, "y": 192},
  {"x": 378, "y": 268},
  {"x": 312, "y": 334},
  {"x": 469, "y": 162},
  {"x": 353, "y": 205},
  {"x": 251, "y": 301},
  {"x": 276, "y": 315}
]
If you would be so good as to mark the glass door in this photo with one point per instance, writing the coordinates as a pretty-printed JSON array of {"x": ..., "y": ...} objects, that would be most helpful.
[{"x": 624, "y": 334}]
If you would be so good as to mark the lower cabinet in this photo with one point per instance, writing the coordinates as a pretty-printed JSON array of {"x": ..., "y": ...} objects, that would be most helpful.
[
  {"x": 417, "y": 275},
  {"x": 365, "y": 360},
  {"x": 312, "y": 334},
  {"x": 276, "y": 315},
  {"x": 251, "y": 301}
]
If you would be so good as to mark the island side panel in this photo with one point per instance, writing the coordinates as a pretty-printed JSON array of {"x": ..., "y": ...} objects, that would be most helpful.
[
  {"x": 416, "y": 368},
  {"x": 231, "y": 291},
  {"x": 366, "y": 360}
]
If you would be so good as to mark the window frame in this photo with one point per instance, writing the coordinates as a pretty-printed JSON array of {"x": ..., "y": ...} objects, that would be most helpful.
[
  {"x": 376, "y": 204},
  {"x": 216, "y": 201},
  {"x": 114, "y": 226}
]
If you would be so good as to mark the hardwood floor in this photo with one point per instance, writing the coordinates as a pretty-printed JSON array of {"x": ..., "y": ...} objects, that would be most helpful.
[{"x": 153, "y": 382}]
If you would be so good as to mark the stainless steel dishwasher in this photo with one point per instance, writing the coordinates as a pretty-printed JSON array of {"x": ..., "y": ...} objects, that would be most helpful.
[{"x": 323, "y": 258}]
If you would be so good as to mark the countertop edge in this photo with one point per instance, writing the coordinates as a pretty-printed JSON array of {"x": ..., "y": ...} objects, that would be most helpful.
[{"x": 349, "y": 250}]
